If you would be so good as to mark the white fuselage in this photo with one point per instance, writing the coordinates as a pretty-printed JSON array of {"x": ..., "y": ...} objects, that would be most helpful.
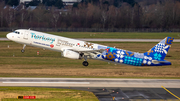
[{"x": 48, "y": 41}]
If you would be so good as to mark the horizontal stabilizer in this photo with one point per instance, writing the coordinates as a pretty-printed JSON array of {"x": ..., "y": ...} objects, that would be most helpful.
[{"x": 162, "y": 62}]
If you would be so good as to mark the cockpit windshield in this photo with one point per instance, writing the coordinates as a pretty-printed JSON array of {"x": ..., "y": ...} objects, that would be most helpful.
[{"x": 16, "y": 32}]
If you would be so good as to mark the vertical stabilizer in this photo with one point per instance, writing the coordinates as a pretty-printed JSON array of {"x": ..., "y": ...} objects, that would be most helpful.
[{"x": 159, "y": 51}]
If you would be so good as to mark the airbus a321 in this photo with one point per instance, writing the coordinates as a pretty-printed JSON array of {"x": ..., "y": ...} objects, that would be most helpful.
[{"x": 76, "y": 49}]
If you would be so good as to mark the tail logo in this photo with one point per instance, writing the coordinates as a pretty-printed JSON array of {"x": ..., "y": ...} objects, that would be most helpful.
[
  {"x": 169, "y": 40},
  {"x": 157, "y": 56},
  {"x": 150, "y": 51},
  {"x": 161, "y": 48},
  {"x": 159, "y": 51}
]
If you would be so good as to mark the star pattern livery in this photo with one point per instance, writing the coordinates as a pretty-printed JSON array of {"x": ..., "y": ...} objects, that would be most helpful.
[{"x": 154, "y": 57}]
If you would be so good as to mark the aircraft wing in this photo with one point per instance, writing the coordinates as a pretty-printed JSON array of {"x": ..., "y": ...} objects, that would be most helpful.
[{"x": 89, "y": 52}]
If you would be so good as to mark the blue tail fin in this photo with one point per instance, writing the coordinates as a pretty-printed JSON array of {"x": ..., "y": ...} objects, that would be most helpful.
[{"x": 159, "y": 51}]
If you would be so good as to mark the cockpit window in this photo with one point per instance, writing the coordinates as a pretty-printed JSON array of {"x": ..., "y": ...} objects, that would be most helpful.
[{"x": 16, "y": 32}]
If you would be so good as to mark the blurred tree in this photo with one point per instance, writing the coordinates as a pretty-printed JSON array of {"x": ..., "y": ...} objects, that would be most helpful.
[
  {"x": 104, "y": 18},
  {"x": 38, "y": 13},
  {"x": 112, "y": 16},
  {"x": 34, "y": 3},
  {"x": 24, "y": 15},
  {"x": 131, "y": 2},
  {"x": 117, "y": 3},
  {"x": 12, "y": 2},
  {"x": 94, "y": 14},
  {"x": 94, "y": 2},
  {"x": 59, "y": 4},
  {"x": 75, "y": 5},
  {"x": 105, "y": 6},
  {"x": 177, "y": 15},
  {"x": 2, "y": 4},
  {"x": 124, "y": 16},
  {"x": 49, "y": 2},
  {"x": 9, "y": 15},
  {"x": 55, "y": 16},
  {"x": 56, "y": 3},
  {"x": 136, "y": 16}
]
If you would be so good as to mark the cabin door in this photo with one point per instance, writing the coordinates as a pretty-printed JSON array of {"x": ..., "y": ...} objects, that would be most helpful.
[{"x": 26, "y": 35}]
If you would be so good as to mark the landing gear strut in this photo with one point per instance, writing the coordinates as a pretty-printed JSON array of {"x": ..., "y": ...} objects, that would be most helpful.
[
  {"x": 85, "y": 63},
  {"x": 23, "y": 50}
]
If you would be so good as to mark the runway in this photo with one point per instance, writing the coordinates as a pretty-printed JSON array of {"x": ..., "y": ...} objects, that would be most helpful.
[
  {"x": 90, "y": 82},
  {"x": 114, "y": 40},
  {"x": 132, "y": 94},
  {"x": 4, "y": 39},
  {"x": 106, "y": 89}
]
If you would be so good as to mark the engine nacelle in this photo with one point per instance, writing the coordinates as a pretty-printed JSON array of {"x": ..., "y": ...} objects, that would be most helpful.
[{"x": 70, "y": 54}]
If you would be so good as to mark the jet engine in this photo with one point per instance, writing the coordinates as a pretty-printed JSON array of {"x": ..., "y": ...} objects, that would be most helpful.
[{"x": 71, "y": 54}]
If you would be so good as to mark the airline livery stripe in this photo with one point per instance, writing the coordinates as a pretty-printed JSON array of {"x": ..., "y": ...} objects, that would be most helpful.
[{"x": 41, "y": 43}]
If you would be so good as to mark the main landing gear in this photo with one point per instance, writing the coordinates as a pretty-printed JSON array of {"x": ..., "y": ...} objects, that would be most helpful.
[
  {"x": 85, "y": 63},
  {"x": 23, "y": 50}
]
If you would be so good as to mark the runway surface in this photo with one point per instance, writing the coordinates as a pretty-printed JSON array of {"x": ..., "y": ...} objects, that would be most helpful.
[
  {"x": 106, "y": 88},
  {"x": 90, "y": 82},
  {"x": 132, "y": 94},
  {"x": 114, "y": 40}
]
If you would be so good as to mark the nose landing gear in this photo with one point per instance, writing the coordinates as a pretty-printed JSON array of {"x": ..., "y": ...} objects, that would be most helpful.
[{"x": 23, "y": 50}]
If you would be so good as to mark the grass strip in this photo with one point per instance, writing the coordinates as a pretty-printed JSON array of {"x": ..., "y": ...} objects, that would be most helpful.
[{"x": 45, "y": 94}]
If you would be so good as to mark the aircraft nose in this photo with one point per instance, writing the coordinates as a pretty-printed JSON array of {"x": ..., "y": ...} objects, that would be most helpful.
[{"x": 8, "y": 35}]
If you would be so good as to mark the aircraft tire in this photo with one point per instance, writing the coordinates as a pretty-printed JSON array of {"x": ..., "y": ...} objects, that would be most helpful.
[
  {"x": 85, "y": 63},
  {"x": 22, "y": 50}
]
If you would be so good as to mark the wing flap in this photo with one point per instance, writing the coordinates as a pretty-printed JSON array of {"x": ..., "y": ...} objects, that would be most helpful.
[
  {"x": 156, "y": 61},
  {"x": 90, "y": 53}
]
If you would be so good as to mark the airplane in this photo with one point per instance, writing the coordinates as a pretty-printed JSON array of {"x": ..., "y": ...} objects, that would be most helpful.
[{"x": 76, "y": 49}]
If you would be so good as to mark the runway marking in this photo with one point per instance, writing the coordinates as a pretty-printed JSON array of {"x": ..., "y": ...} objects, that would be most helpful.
[
  {"x": 48, "y": 78},
  {"x": 53, "y": 82},
  {"x": 170, "y": 92}
]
